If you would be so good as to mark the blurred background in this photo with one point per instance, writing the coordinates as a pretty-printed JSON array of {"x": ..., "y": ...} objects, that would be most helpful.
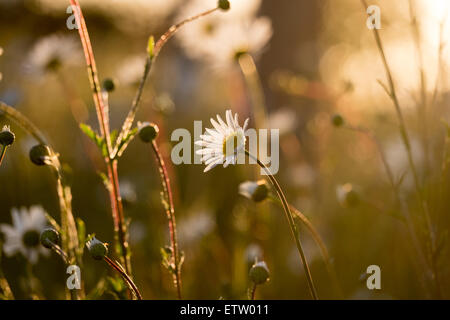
[{"x": 315, "y": 59}]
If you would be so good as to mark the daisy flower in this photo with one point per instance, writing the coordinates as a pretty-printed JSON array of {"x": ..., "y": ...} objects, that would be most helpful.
[
  {"x": 223, "y": 143},
  {"x": 49, "y": 54},
  {"x": 23, "y": 236}
]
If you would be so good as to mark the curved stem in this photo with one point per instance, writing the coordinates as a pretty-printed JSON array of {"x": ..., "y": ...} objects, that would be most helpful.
[
  {"x": 291, "y": 222},
  {"x": 125, "y": 276},
  {"x": 320, "y": 243},
  {"x": 170, "y": 210}
]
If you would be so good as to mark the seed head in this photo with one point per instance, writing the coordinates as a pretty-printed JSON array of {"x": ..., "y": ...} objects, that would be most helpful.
[
  {"x": 39, "y": 154},
  {"x": 337, "y": 120},
  {"x": 97, "y": 249},
  {"x": 148, "y": 131},
  {"x": 48, "y": 237},
  {"x": 259, "y": 273},
  {"x": 257, "y": 191},
  {"x": 224, "y": 5},
  {"x": 6, "y": 137},
  {"x": 109, "y": 85}
]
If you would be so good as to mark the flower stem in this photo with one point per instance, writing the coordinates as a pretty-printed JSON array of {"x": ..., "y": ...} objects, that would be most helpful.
[
  {"x": 170, "y": 211},
  {"x": 125, "y": 276},
  {"x": 103, "y": 119},
  {"x": 291, "y": 222},
  {"x": 253, "y": 292},
  {"x": 2, "y": 154},
  {"x": 320, "y": 243}
]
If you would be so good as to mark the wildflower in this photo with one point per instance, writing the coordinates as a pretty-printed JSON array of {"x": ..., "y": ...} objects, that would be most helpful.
[
  {"x": 148, "y": 131},
  {"x": 97, "y": 249},
  {"x": 257, "y": 191},
  {"x": 6, "y": 137},
  {"x": 52, "y": 52},
  {"x": 49, "y": 237},
  {"x": 223, "y": 143},
  {"x": 259, "y": 273},
  {"x": 23, "y": 236}
]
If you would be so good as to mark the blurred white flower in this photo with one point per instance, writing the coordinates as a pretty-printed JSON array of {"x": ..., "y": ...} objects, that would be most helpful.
[
  {"x": 222, "y": 144},
  {"x": 131, "y": 70},
  {"x": 127, "y": 191},
  {"x": 253, "y": 253},
  {"x": 302, "y": 175},
  {"x": 23, "y": 236},
  {"x": 284, "y": 120},
  {"x": 50, "y": 53},
  {"x": 221, "y": 37},
  {"x": 195, "y": 227}
]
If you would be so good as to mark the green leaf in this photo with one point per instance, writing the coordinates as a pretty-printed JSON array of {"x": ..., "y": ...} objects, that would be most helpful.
[{"x": 89, "y": 132}]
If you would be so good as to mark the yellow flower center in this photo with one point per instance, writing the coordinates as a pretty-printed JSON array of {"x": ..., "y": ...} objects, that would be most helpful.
[{"x": 231, "y": 143}]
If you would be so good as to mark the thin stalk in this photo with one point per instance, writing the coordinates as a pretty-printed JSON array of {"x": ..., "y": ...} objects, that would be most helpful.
[
  {"x": 3, "y": 153},
  {"x": 151, "y": 57},
  {"x": 125, "y": 276},
  {"x": 103, "y": 120},
  {"x": 69, "y": 230},
  {"x": 170, "y": 211},
  {"x": 320, "y": 243},
  {"x": 253, "y": 81},
  {"x": 422, "y": 107},
  {"x": 253, "y": 292},
  {"x": 291, "y": 222},
  {"x": 400, "y": 202},
  {"x": 406, "y": 141}
]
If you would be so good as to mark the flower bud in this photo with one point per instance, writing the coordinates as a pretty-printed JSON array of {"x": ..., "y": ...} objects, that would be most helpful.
[
  {"x": 337, "y": 120},
  {"x": 148, "y": 131},
  {"x": 6, "y": 137},
  {"x": 224, "y": 5},
  {"x": 259, "y": 273},
  {"x": 254, "y": 190},
  {"x": 348, "y": 196},
  {"x": 97, "y": 249},
  {"x": 109, "y": 85},
  {"x": 48, "y": 237},
  {"x": 39, "y": 154}
]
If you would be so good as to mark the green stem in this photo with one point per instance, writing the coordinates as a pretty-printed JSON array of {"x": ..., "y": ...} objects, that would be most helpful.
[
  {"x": 291, "y": 222},
  {"x": 170, "y": 210}
]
